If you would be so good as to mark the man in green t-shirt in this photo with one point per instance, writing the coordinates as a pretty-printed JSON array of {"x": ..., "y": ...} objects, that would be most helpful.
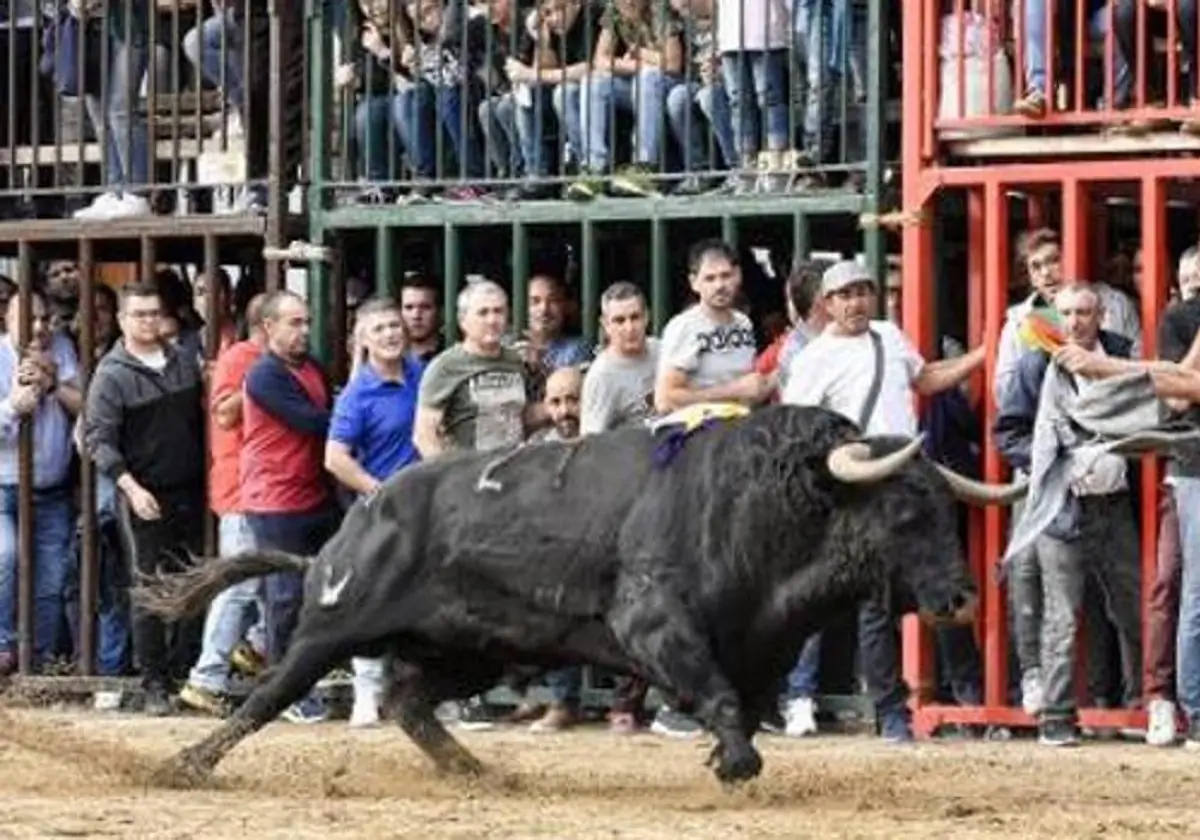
[{"x": 475, "y": 395}]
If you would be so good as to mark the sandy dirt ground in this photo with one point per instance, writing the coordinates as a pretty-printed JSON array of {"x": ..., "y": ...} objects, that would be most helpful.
[{"x": 83, "y": 774}]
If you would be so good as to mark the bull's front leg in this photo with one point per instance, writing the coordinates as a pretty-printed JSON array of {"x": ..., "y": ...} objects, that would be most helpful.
[
  {"x": 416, "y": 693},
  {"x": 663, "y": 639}
]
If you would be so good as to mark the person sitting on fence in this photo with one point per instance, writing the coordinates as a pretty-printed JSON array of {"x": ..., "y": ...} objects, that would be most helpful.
[
  {"x": 697, "y": 107},
  {"x": 38, "y": 381},
  {"x": 566, "y": 43},
  {"x": 214, "y": 47},
  {"x": 638, "y": 59}
]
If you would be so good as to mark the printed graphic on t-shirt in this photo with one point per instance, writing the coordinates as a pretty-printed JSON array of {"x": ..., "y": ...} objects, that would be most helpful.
[
  {"x": 499, "y": 399},
  {"x": 725, "y": 337}
]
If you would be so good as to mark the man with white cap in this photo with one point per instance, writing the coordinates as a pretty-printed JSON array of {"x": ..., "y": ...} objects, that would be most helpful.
[{"x": 867, "y": 371}]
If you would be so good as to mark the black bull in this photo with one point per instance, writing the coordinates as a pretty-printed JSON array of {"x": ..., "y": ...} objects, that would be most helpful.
[{"x": 703, "y": 577}]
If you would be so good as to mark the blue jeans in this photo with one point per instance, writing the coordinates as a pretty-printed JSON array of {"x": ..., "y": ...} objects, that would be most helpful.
[
  {"x": 644, "y": 96},
  {"x": 230, "y": 615},
  {"x": 283, "y": 592},
  {"x": 375, "y": 116},
  {"x": 1187, "y": 641},
  {"x": 202, "y": 46},
  {"x": 1035, "y": 43},
  {"x": 113, "y": 622},
  {"x": 804, "y": 679},
  {"x": 127, "y": 140},
  {"x": 756, "y": 85},
  {"x": 830, "y": 39},
  {"x": 564, "y": 685},
  {"x": 682, "y": 104},
  {"x": 567, "y": 100},
  {"x": 53, "y": 526},
  {"x": 515, "y": 133}
]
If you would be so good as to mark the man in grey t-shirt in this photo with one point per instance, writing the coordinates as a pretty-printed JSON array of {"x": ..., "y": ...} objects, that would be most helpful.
[
  {"x": 619, "y": 387},
  {"x": 707, "y": 352}
]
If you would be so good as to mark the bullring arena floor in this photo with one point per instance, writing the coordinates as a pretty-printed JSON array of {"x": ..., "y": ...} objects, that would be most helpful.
[{"x": 82, "y": 774}]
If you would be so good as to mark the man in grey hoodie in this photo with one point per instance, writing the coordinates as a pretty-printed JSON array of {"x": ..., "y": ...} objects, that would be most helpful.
[{"x": 144, "y": 429}]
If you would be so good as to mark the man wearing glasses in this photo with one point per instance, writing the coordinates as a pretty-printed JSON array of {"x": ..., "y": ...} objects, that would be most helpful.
[{"x": 145, "y": 430}]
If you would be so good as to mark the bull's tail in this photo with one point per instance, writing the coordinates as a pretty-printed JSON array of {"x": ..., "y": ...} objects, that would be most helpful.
[{"x": 182, "y": 594}]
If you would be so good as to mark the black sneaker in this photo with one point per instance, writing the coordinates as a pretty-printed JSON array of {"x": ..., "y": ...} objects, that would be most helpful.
[{"x": 1058, "y": 733}]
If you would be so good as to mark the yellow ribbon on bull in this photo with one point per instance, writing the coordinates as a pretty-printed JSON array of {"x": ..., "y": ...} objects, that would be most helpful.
[{"x": 690, "y": 418}]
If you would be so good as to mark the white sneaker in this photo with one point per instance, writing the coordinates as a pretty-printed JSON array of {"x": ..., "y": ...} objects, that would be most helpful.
[
  {"x": 130, "y": 206},
  {"x": 800, "y": 717},
  {"x": 1160, "y": 723},
  {"x": 1033, "y": 694},
  {"x": 100, "y": 209},
  {"x": 365, "y": 712}
]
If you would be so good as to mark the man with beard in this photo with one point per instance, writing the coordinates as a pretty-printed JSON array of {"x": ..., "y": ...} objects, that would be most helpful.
[
  {"x": 285, "y": 495},
  {"x": 370, "y": 439},
  {"x": 544, "y": 347}
]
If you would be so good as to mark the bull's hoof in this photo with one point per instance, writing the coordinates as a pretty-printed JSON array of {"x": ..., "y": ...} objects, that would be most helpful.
[
  {"x": 460, "y": 763},
  {"x": 181, "y": 772},
  {"x": 738, "y": 765}
]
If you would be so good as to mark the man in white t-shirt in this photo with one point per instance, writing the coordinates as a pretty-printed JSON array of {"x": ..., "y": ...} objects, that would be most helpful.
[
  {"x": 838, "y": 371},
  {"x": 707, "y": 351}
]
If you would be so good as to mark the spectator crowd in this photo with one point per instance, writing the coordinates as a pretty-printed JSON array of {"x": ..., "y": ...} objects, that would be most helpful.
[{"x": 287, "y": 452}]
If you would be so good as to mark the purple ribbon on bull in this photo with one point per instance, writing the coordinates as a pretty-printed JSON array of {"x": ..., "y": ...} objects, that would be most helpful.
[{"x": 676, "y": 439}]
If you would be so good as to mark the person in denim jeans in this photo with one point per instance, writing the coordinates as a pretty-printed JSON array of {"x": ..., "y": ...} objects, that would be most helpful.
[
  {"x": 124, "y": 128},
  {"x": 830, "y": 42},
  {"x": 566, "y": 43},
  {"x": 638, "y": 59},
  {"x": 701, "y": 92},
  {"x": 438, "y": 92},
  {"x": 753, "y": 40},
  {"x": 1036, "y": 100},
  {"x": 214, "y": 48},
  {"x": 36, "y": 382}
]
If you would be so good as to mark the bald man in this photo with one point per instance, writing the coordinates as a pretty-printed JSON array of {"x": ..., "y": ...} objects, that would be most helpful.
[{"x": 564, "y": 388}]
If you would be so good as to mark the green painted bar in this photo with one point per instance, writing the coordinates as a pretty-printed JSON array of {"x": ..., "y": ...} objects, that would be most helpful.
[
  {"x": 520, "y": 276},
  {"x": 660, "y": 282},
  {"x": 384, "y": 265},
  {"x": 874, "y": 243},
  {"x": 451, "y": 279},
  {"x": 590, "y": 285},
  {"x": 729, "y": 230},
  {"x": 801, "y": 236}
]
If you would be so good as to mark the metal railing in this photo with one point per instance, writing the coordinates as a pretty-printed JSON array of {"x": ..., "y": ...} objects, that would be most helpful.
[
  {"x": 1125, "y": 66},
  {"x": 535, "y": 99},
  {"x": 164, "y": 100}
]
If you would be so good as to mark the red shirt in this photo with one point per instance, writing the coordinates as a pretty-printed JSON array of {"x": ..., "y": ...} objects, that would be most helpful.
[
  {"x": 768, "y": 361},
  {"x": 224, "y": 479},
  {"x": 285, "y": 417}
]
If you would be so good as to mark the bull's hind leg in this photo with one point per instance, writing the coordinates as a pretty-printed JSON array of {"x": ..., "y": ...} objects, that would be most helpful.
[
  {"x": 306, "y": 662},
  {"x": 416, "y": 693},
  {"x": 659, "y": 634}
]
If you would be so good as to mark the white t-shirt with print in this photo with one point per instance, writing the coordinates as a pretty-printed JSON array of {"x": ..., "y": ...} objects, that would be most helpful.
[
  {"x": 836, "y": 371},
  {"x": 708, "y": 351}
]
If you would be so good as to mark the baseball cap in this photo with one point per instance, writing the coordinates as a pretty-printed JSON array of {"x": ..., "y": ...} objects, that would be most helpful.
[{"x": 843, "y": 274}]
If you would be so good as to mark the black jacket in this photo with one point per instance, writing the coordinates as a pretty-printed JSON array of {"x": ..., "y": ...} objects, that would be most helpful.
[{"x": 148, "y": 423}]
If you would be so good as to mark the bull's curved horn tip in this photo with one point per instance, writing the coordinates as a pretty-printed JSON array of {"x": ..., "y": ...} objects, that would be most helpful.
[
  {"x": 981, "y": 492},
  {"x": 852, "y": 462}
]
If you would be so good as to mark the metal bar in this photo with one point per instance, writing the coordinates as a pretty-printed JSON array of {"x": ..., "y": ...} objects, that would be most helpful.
[
  {"x": 660, "y": 276},
  {"x": 590, "y": 285},
  {"x": 147, "y": 263},
  {"x": 319, "y": 282},
  {"x": 1155, "y": 278},
  {"x": 874, "y": 245},
  {"x": 320, "y": 45},
  {"x": 801, "y": 236},
  {"x": 212, "y": 346},
  {"x": 996, "y": 266},
  {"x": 451, "y": 280},
  {"x": 1051, "y": 172},
  {"x": 89, "y": 562},
  {"x": 384, "y": 267},
  {"x": 729, "y": 231},
  {"x": 334, "y": 342},
  {"x": 520, "y": 277},
  {"x": 26, "y": 568},
  {"x": 1076, "y": 225}
]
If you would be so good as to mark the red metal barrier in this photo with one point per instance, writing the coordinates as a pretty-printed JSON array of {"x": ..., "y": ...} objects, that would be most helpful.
[
  {"x": 1077, "y": 188},
  {"x": 973, "y": 52}
]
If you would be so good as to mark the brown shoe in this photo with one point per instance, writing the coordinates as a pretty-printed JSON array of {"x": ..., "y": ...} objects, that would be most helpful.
[
  {"x": 525, "y": 713},
  {"x": 556, "y": 719},
  {"x": 1031, "y": 105}
]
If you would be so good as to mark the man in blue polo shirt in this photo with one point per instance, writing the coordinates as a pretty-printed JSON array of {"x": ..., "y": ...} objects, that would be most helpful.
[{"x": 371, "y": 438}]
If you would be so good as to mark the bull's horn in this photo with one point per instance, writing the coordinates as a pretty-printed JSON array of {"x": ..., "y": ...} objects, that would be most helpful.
[
  {"x": 981, "y": 492},
  {"x": 853, "y": 464}
]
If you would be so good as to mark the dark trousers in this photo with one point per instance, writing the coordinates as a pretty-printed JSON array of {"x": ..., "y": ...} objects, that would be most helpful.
[
  {"x": 1164, "y": 604},
  {"x": 164, "y": 652},
  {"x": 302, "y": 534}
]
